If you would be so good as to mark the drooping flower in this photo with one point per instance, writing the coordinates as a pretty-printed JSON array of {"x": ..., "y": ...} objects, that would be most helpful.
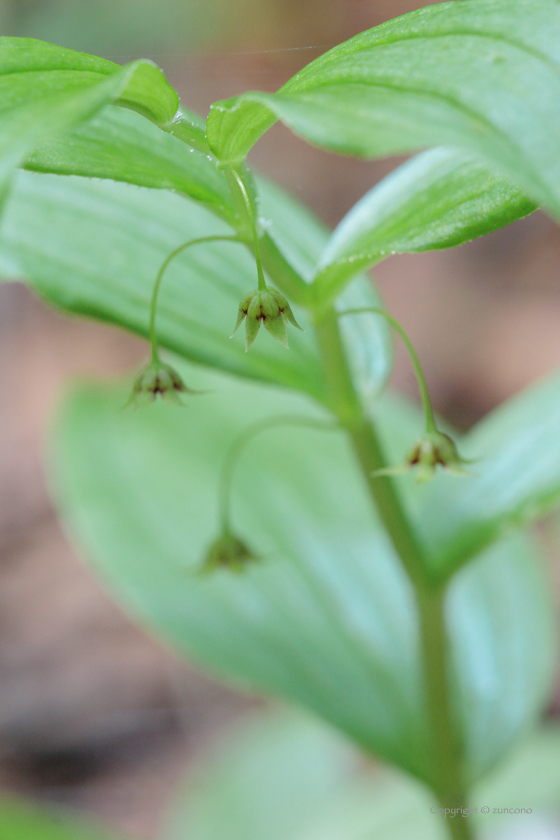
[
  {"x": 228, "y": 552},
  {"x": 269, "y": 307},
  {"x": 432, "y": 449},
  {"x": 158, "y": 380}
]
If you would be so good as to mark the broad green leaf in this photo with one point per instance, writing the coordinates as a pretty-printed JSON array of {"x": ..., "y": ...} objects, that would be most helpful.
[
  {"x": 47, "y": 90},
  {"x": 439, "y": 199},
  {"x": 120, "y": 145},
  {"x": 272, "y": 763},
  {"x": 503, "y": 648},
  {"x": 95, "y": 247},
  {"x": 24, "y": 820},
  {"x": 327, "y": 618},
  {"x": 273, "y": 778},
  {"x": 481, "y": 76},
  {"x": 516, "y": 478},
  {"x": 34, "y": 70},
  {"x": 530, "y": 779}
]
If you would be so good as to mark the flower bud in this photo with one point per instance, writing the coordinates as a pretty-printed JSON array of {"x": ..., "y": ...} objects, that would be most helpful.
[
  {"x": 227, "y": 552},
  {"x": 158, "y": 379},
  {"x": 269, "y": 307},
  {"x": 432, "y": 449}
]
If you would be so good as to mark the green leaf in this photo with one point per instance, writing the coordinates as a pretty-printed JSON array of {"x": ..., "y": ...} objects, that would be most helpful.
[
  {"x": 481, "y": 76},
  {"x": 47, "y": 90},
  {"x": 27, "y": 821},
  {"x": 327, "y": 618},
  {"x": 35, "y": 70},
  {"x": 503, "y": 630},
  {"x": 272, "y": 779},
  {"x": 529, "y": 778},
  {"x": 271, "y": 764},
  {"x": 120, "y": 145},
  {"x": 516, "y": 478},
  {"x": 94, "y": 248},
  {"x": 439, "y": 199}
]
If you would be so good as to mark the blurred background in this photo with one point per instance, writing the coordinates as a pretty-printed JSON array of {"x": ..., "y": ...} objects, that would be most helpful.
[{"x": 95, "y": 713}]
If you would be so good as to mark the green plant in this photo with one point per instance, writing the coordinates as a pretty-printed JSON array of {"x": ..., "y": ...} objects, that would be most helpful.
[{"x": 413, "y": 617}]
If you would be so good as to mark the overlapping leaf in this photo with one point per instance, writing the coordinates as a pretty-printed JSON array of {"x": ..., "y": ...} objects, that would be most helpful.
[
  {"x": 119, "y": 145},
  {"x": 297, "y": 771},
  {"x": 481, "y": 76},
  {"x": 327, "y": 618},
  {"x": 32, "y": 70},
  {"x": 439, "y": 199},
  {"x": 46, "y": 90},
  {"x": 516, "y": 478},
  {"x": 94, "y": 248}
]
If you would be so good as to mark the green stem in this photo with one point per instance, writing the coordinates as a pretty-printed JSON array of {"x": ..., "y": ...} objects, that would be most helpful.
[
  {"x": 251, "y": 216},
  {"x": 159, "y": 278},
  {"x": 447, "y": 783},
  {"x": 421, "y": 379},
  {"x": 235, "y": 450},
  {"x": 446, "y": 766}
]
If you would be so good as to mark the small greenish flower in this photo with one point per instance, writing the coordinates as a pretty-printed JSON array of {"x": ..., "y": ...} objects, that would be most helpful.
[
  {"x": 228, "y": 552},
  {"x": 269, "y": 307},
  {"x": 158, "y": 379},
  {"x": 431, "y": 450}
]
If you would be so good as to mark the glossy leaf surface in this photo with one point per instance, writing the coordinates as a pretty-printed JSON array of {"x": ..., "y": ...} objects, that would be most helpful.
[
  {"x": 120, "y": 145},
  {"x": 46, "y": 90},
  {"x": 327, "y": 618},
  {"x": 25, "y": 61},
  {"x": 439, "y": 199},
  {"x": 481, "y": 76}
]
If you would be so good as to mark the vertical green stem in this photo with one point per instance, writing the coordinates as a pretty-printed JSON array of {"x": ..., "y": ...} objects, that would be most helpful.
[
  {"x": 446, "y": 767},
  {"x": 447, "y": 782},
  {"x": 251, "y": 216}
]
